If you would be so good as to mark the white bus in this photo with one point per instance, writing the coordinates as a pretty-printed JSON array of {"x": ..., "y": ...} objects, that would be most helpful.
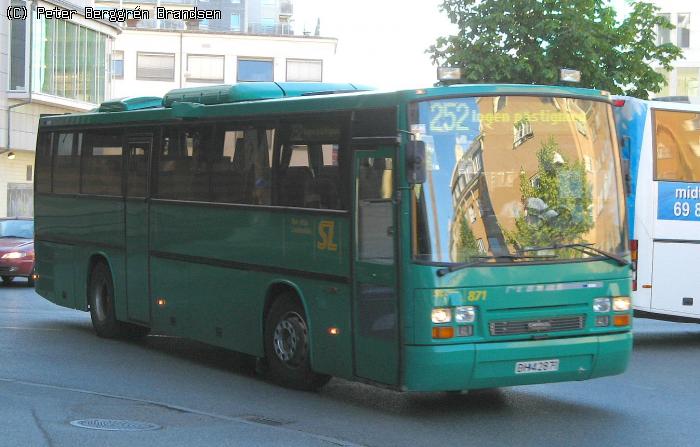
[{"x": 660, "y": 149}]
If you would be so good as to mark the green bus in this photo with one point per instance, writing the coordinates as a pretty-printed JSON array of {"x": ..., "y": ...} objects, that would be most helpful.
[{"x": 440, "y": 239}]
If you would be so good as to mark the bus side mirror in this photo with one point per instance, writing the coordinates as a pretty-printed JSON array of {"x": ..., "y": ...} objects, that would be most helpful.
[{"x": 415, "y": 162}]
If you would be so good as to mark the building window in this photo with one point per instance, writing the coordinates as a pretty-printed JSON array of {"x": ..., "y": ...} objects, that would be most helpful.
[
  {"x": 205, "y": 68},
  {"x": 472, "y": 214},
  {"x": 155, "y": 66},
  {"x": 235, "y": 22},
  {"x": 118, "y": 64},
  {"x": 683, "y": 30},
  {"x": 687, "y": 82},
  {"x": 299, "y": 70},
  {"x": 255, "y": 70},
  {"x": 663, "y": 35},
  {"x": 480, "y": 246},
  {"x": 69, "y": 60},
  {"x": 522, "y": 131},
  {"x": 18, "y": 48}
]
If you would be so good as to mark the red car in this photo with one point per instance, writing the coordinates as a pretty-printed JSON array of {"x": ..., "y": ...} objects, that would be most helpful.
[{"x": 16, "y": 249}]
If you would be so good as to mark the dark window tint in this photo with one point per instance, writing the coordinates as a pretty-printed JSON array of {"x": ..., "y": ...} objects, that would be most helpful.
[
  {"x": 183, "y": 165},
  {"x": 43, "y": 162},
  {"x": 102, "y": 165},
  {"x": 241, "y": 165},
  {"x": 374, "y": 123},
  {"x": 66, "y": 162},
  {"x": 309, "y": 168},
  {"x": 137, "y": 168}
]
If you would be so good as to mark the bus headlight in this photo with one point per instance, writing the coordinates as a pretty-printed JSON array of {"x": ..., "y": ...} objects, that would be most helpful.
[
  {"x": 621, "y": 303},
  {"x": 601, "y": 305},
  {"x": 14, "y": 255},
  {"x": 465, "y": 314},
  {"x": 441, "y": 315}
]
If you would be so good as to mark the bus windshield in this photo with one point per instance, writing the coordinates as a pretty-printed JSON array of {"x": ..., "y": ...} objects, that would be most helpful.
[{"x": 516, "y": 179}]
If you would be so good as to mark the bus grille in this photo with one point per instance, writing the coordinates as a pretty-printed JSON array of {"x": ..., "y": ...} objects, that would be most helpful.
[{"x": 558, "y": 324}]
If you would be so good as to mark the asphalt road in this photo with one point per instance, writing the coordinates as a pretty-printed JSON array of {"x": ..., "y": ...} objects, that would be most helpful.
[{"x": 54, "y": 371}]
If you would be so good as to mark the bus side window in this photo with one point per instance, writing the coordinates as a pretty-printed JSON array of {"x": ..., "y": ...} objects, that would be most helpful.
[
  {"x": 44, "y": 154},
  {"x": 183, "y": 165},
  {"x": 308, "y": 174},
  {"x": 241, "y": 166},
  {"x": 102, "y": 163},
  {"x": 66, "y": 162}
]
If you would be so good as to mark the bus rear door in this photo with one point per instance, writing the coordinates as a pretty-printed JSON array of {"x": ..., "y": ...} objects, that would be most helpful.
[{"x": 138, "y": 151}]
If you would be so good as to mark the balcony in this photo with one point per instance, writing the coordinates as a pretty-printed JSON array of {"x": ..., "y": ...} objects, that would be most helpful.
[
  {"x": 279, "y": 29},
  {"x": 275, "y": 29}
]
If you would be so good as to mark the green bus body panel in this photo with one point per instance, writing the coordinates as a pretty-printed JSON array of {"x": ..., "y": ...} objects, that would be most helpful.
[
  {"x": 84, "y": 227},
  {"x": 223, "y": 275},
  {"x": 486, "y": 365}
]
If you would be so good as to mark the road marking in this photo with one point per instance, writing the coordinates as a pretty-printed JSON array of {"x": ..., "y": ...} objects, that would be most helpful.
[
  {"x": 244, "y": 419},
  {"x": 20, "y": 328}
]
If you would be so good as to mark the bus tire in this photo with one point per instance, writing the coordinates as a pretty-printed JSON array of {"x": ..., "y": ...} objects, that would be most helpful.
[
  {"x": 286, "y": 341},
  {"x": 30, "y": 279},
  {"x": 101, "y": 302},
  {"x": 6, "y": 280}
]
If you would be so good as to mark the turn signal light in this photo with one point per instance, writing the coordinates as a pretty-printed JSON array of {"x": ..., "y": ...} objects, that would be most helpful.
[
  {"x": 634, "y": 254},
  {"x": 443, "y": 332},
  {"x": 621, "y": 320}
]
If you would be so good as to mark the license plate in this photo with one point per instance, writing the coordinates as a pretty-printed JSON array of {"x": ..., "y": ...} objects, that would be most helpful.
[{"x": 537, "y": 366}]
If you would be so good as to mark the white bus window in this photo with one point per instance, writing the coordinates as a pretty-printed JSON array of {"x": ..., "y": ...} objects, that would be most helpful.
[{"x": 677, "y": 146}]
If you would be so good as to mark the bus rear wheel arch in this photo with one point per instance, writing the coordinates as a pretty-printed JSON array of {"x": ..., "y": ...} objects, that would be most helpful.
[
  {"x": 286, "y": 343},
  {"x": 101, "y": 302}
]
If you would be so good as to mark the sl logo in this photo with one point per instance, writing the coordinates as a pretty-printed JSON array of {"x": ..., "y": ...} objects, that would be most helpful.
[{"x": 326, "y": 229}]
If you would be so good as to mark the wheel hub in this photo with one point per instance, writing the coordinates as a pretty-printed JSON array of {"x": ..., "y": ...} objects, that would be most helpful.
[{"x": 289, "y": 338}]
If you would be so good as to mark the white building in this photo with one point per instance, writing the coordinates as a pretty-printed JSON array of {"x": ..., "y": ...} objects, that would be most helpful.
[
  {"x": 684, "y": 79},
  {"x": 152, "y": 62},
  {"x": 46, "y": 66},
  {"x": 253, "y": 40}
]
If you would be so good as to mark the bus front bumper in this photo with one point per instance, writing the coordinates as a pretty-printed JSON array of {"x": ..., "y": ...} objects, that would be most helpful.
[{"x": 487, "y": 365}]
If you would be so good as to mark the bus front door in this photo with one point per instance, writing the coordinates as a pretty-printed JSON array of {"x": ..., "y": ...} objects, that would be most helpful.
[
  {"x": 137, "y": 191},
  {"x": 376, "y": 330}
]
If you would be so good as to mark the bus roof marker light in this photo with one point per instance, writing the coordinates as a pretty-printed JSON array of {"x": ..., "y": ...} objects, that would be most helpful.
[{"x": 569, "y": 75}]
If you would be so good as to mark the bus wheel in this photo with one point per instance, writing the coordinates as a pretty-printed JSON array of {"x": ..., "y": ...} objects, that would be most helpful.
[
  {"x": 30, "y": 279},
  {"x": 287, "y": 346},
  {"x": 101, "y": 300},
  {"x": 6, "y": 280}
]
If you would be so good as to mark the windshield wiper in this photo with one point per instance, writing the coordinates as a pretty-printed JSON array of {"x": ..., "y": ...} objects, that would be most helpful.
[
  {"x": 478, "y": 260},
  {"x": 586, "y": 248}
]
